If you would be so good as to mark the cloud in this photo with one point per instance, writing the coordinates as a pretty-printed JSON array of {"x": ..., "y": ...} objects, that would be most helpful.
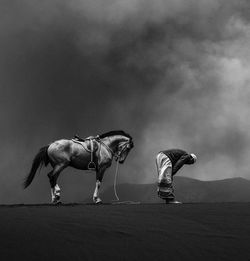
[
  {"x": 171, "y": 73},
  {"x": 208, "y": 114}
]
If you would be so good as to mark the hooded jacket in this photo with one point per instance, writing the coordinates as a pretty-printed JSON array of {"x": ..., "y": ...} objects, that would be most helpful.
[{"x": 178, "y": 158}]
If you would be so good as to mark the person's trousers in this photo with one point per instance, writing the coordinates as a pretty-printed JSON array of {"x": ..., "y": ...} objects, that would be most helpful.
[{"x": 165, "y": 179}]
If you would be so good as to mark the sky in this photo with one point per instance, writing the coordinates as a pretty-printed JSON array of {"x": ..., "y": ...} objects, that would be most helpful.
[{"x": 173, "y": 74}]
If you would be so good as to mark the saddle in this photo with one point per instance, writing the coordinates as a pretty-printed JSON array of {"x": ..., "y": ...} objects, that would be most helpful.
[
  {"x": 90, "y": 145},
  {"x": 78, "y": 138}
]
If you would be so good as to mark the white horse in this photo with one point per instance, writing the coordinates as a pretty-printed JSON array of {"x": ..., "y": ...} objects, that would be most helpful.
[{"x": 92, "y": 153}]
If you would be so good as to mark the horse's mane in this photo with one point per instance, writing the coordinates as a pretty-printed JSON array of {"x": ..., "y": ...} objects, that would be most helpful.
[{"x": 115, "y": 132}]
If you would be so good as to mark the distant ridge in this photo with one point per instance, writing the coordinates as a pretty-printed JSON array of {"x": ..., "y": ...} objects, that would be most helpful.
[{"x": 186, "y": 190}]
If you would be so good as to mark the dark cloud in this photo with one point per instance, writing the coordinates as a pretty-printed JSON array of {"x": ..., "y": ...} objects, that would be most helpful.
[{"x": 172, "y": 74}]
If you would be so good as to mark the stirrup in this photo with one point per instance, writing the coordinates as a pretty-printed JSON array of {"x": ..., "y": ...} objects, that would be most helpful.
[{"x": 91, "y": 165}]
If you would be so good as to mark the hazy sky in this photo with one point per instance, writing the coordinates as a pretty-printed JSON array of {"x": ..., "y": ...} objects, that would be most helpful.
[{"x": 171, "y": 73}]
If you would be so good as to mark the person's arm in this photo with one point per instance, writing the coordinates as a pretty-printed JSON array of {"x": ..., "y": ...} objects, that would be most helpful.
[{"x": 182, "y": 160}]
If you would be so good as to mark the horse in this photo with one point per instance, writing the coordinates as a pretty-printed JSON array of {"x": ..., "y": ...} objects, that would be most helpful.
[{"x": 92, "y": 153}]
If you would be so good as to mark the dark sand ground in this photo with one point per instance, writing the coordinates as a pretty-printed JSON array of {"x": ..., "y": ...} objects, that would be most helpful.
[{"x": 125, "y": 232}]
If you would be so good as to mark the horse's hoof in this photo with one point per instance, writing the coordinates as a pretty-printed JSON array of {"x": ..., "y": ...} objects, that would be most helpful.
[
  {"x": 56, "y": 202},
  {"x": 98, "y": 201}
]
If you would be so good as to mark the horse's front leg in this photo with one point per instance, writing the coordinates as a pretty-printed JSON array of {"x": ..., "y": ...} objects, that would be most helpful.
[{"x": 96, "y": 198}]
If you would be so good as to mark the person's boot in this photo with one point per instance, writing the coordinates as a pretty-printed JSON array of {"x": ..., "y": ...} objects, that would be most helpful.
[
  {"x": 165, "y": 191},
  {"x": 172, "y": 201}
]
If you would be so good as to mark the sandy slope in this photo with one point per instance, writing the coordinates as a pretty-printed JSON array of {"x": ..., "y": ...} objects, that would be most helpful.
[
  {"x": 186, "y": 190},
  {"x": 126, "y": 232}
]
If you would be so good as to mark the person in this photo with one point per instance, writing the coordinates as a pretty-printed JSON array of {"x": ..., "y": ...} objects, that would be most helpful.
[{"x": 168, "y": 162}]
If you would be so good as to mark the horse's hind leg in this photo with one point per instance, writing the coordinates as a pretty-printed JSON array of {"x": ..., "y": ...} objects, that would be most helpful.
[
  {"x": 51, "y": 189},
  {"x": 55, "y": 189}
]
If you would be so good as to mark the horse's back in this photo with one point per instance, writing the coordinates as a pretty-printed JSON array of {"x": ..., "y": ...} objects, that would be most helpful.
[
  {"x": 60, "y": 144},
  {"x": 60, "y": 149}
]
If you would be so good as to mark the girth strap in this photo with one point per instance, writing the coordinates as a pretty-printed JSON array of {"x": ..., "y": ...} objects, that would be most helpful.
[{"x": 91, "y": 164}]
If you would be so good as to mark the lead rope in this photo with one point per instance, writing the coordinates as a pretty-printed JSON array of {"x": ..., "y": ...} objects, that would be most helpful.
[
  {"x": 117, "y": 200},
  {"x": 115, "y": 180}
]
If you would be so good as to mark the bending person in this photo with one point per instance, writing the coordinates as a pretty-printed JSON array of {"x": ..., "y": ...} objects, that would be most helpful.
[{"x": 168, "y": 162}]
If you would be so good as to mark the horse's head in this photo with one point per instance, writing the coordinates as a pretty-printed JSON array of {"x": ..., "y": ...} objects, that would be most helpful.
[
  {"x": 119, "y": 143},
  {"x": 124, "y": 148}
]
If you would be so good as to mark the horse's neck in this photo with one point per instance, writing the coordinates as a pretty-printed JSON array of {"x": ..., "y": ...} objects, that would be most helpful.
[{"x": 113, "y": 141}]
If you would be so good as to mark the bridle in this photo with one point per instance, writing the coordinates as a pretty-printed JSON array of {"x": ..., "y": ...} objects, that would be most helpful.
[
  {"x": 126, "y": 146},
  {"x": 116, "y": 155}
]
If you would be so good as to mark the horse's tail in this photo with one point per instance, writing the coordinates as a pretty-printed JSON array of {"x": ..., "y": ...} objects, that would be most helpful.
[{"x": 40, "y": 159}]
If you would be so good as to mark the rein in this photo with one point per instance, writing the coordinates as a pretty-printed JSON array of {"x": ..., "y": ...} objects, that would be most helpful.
[{"x": 106, "y": 146}]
